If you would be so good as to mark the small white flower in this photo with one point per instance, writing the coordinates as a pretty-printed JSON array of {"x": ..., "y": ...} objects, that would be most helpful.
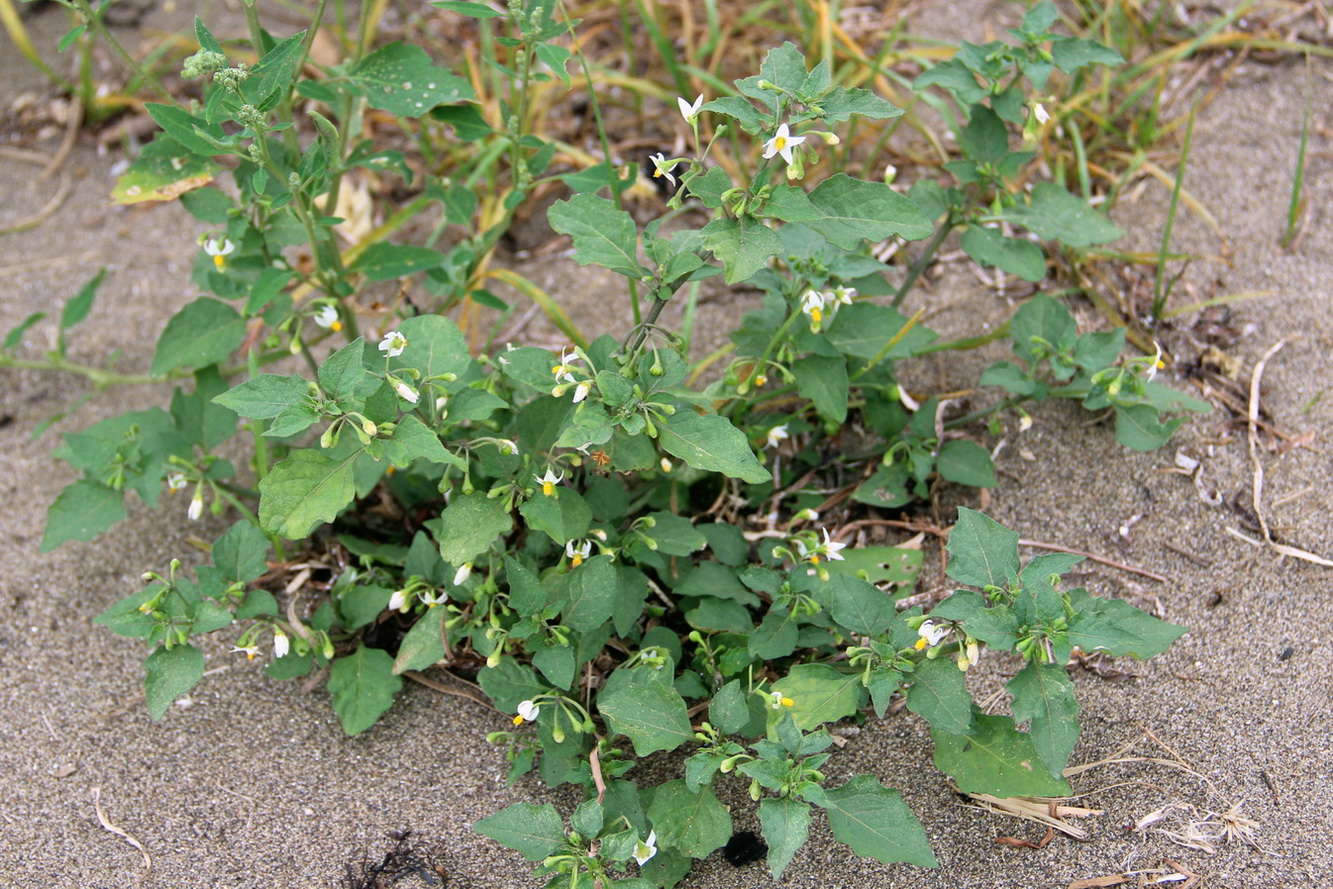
[
  {"x": 462, "y": 574},
  {"x": 578, "y": 553},
  {"x": 398, "y": 601},
  {"x": 813, "y": 304},
  {"x": 251, "y": 650},
  {"x": 527, "y": 712},
  {"x": 393, "y": 344},
  {"x": 776, "y": 435},
  {"x": 1157, "y": 364},
  {"x": 645, "y": 849},
  {"x": 831, "y": 549},
  {"x": 281, "y": 644},
  {"x": 777, "y": 701},
  {"x": 549, "y": 481},
  {"x": 843, "y": 295},
  {"x": 562, "y": 371},
  {"x": 219, "y": 250},
  {"x": 931, "y": 632},
  {"x": 890, "y": 174},
  {"x": 176, "y": 482},
  {"x": 665, "y": 464},
  {"x": 581, "y": 391},
  {"x": 196, "y": 510},
  {"x": 441, "y": 403},
  {"x": 690, "y": 110},
  {"x": 508, "y": 447},
  {"x": 327, "y": 317},
  {"x": 1024, "y": 423},
  {"x": 404, "y": 391},
  {"x": 971, "y": 654},
  {"x": 782, "y": 143},
  {"x": 662, "y": 169},
  {"x": 1041, "y": 114}
]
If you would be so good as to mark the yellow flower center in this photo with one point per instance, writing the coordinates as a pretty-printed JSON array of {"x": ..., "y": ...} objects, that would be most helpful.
[
  {"x": 220, "y": 261},
  {"x": 921, "y": 644},
  {"x": 657, "y": 174},
  {"x": 787, "y": 702},
  {"x": 547, "y": 488},
  {"x": 577, "y": 560},
  {"x": 816, "y": 314},
  {"x": 779, "y": 142},
  {"x": 336, "y": 326},
  {"x": 518, "y": 720}
]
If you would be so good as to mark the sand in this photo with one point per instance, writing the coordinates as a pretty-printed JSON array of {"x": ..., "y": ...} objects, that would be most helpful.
[{"x": 248, "y": 782}]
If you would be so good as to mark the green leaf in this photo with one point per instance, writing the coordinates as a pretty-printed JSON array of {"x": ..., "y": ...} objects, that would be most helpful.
[
  {"x": 820, "y": 694},
  {"x": 862, "y": 329},
  {"x": 603, "y": 234},
  {"x": 858, "y": 605},
  {"x": 786, "y": 826},
  {"x": 530, "y": 830},
  {"x": 993, "y": 624},
  {"x": 344, "y": 378},
  {"x": 776, "y": 635},
  {"x": 994, "y": 757},
  {"x": 1071, "y": 53},
  {"x": 526, "y": 595},
  {"x": 15, "y": 336},
  {"x": 1118, "y": 628},
  {"x": 413, "y": 440},
  {"x": 954, "y": 76},
  {"x": 784, "y": 67},
  {"x": 510, "y": 683},
  {"x": 985, "y": 139},
  {"x": 588, "y": 593},
  {"x": 204, "y": 332},
  {"x": 1141, "y": 428},
  {"x": 170, "y": 673},
  {"x": 1044, "y": 698},
  {"x": 939, "y": 694},
  {"x": 264, "y": 396},
  {"x": 163, "y": 171},
  {"x": 1014, "y": 255},
  {"x": 876, "y": 823},
  {"x": 399, "y": 78},
  {"x": 824, "y": 382},
  {"x": 363, "y": 686},
  {"x": 81, "y": 512},
  {"x": 78, "y": 306},
  {"x": 841, "y": 103},
  {"x": 710, "y": 442},
  {"x": 743, "y": 246},
  {"x": 423, "y": 644},
  {"x": 691, "y": 823},
  {"x": 982, "y": 552},
  {"x": 675, "y": 535},
  {"x": 193, "y": 133},
  {"x": 435, "y": 346},
  {"x": 562, "y": 518},
  {"x": 729, "y": 711},
  {"x": 360, "y": 605},
  {"x": 857, "y": 210},
  {"x": 241, "y": 554},
  {"x": 1057, "y": 215},
  {"x": 304, "y": 490},
  {"x": 640, "y": 704},
  {"x": 468, "y": 526},
  {"x": 965, "y": 462},
  {"x": 385, "y": 262}
]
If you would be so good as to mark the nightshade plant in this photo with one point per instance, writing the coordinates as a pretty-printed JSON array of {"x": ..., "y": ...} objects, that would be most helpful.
[{"x": 542, "y": 520}]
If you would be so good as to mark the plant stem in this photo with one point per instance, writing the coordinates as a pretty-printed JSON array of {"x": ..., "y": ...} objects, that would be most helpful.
[
  {"x": 99, "y": 27},
  {"x": 921, "y": 262}
]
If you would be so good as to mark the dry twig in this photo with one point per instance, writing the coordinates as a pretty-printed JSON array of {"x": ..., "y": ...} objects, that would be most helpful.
[{"x": 106, "y": 823}]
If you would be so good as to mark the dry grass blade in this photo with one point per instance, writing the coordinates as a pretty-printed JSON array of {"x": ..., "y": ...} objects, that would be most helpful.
[
  {"x": 1258, "y": 484},
  {"x": 106, "y": 823},
  {"x": 1048, "y": 812}
]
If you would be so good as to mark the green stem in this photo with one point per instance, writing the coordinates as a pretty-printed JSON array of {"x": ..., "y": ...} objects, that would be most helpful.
[
  {"x": 957, "y": 422},
  {"x": 99, "y": 27},
  {"x": 966, "y": 343},
  {"x": 919, "y": 265}
]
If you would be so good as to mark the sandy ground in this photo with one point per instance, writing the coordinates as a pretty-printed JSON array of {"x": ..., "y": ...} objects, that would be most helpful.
[{"x": 252, "y": 783}]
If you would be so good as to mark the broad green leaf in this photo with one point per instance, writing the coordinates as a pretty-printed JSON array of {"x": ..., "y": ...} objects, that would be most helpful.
[
  {"x": 1141, "y": 427},
  {"x": 857, "y": 210},
  {"x": 526, "y": 595},
  {"x": 399, "y": 78},
  {"x": 824, "y": 382},
  {"x": 344, "y": 378},
  {"x": 691, "y": 823},
  {"x": 645, "y": 709},
  {"x": 743, "y": 246},
  {"x": 841, "y": 103},
  {"x": 674, "y": 535},
  {"x": 710, "y": 187},
  {"x": 588, "y": 594},
  {"x": 412, "y": 440},
  {"x": 1042, "y": 318},
  {"x": 423, "y": 645},
  {"x": 384, "y": 262},
  {"x": 1057, "y": 215},
  {"x": 81, "y": 512},
  {"x": 881, "y": 564},
  {"x": 859, "y": 605},
  {"x": 939, "y": 694},
  {"x": 994, "y": 757},
  {"x": 820, "y": 694},
  {"x": 360, "y": 605},
  {"x": 965, "y": 463},
  {"x": 264, "y": 396},
  {"x": 304, "y": 490},
  {"x": 1013, "y": 255},
  {"x": 776, "y": 635},
  {"x": 193, "y": 133},
  {"x": 168, "y": 674},
  {"x": 784, "y": 67},
  {"x": 363, "y": 686},
  {"x": 241, "y": 553},
  {"x": 985, "y": 139},
  {"x": 993, "y": 624},
  {"x": 729, "y": 711},
  {"x": 163, "y": 171},
  {"x": 15, "y": 336},
  {"x": 603, "y": 234},
  {"x": 563, "y": 516},
  {"x": 468, "y": 526},
  {"x": 982, "y": 552},
  {"x": 876, "y": 823},
  {"x": 1044, "y": 698},
  {"x": 204, "y": 332},
  {"x": 78, "y": 306},
  {"x": 954, "y": 76},
  {"x": 863, "y": 329},
  {"x": 530, "y": 830},
  {"x": 1071, "y": 53},
  {"x": 435, "y": 346},
  {"x": 1118, "y": 628},
  {"x": 710, "y": 442},
  {"x": 292, "y": 421},
  {"x": 510, "y": 683},
  {"x": 556, "y": 663},
  {"x": 786, "y": 826}
]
